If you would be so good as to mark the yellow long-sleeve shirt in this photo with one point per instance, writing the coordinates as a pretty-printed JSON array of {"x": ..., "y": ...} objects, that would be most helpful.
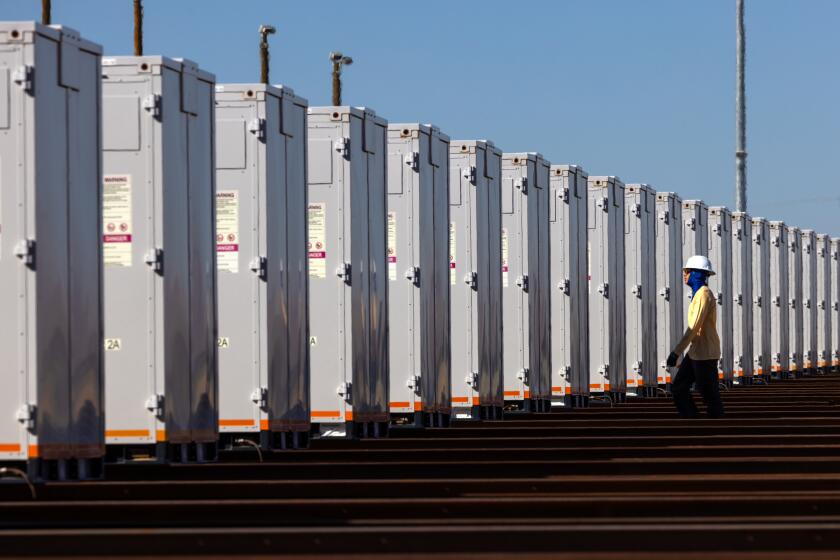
[{"x": 701, "y": 333}]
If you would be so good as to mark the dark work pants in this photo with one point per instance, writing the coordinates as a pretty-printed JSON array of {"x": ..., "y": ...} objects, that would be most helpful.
[{"x": 704, "y": 375}]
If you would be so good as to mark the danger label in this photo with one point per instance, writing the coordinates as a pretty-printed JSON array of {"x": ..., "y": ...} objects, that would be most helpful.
[
  {"x": 317, "y": 240},
  {"x": 116, "y": 220},
  {"x": 227, "y": 231},
  {"x": 452, "y": 253},
  {"x": 392, "y": 245},
  {"x": 505, "y": 265}
]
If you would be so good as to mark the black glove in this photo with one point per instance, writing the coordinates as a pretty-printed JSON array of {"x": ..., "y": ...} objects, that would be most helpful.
[{"x": 672, "y": 360}]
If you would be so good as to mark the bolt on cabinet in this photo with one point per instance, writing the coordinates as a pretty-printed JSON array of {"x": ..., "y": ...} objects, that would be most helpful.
[
  {"x": 809, "y": 298},
  {"x": 742, "y": 296},
  {"x": 348, "y": 278},
  {"x": 779, "y": 298},
  {"x": 823, "y": 302},
  {"x": 695, "y": 238},
  {"x": 669, "y": 263},
  {"x": 50, "y": 252},
  {"x": 160, "y": 258},
  {"x": 835, "y": 301},
  {"x": 525, "y": 278},
  {"x": 418, "y": 273},
  {"x": 475, "y": 277},
  {"x": 796, "y": 340},
  {"x": 762, "y": 355},
  {"x": 720, "y": 253},
  {"x": 607, "y": 319},
  {"x": 640, "y": 270},
  {"x": 569, "y": 285},
  {"x": 261, "y": 258}
]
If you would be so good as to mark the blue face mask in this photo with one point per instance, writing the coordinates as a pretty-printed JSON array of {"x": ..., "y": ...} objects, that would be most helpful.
[{"x": 696, "y": 280}]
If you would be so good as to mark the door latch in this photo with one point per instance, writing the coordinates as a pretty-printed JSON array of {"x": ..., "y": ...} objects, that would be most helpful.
[
  {"x": 565, "y": 286},
  {"x": 413, "y": 383},
  {"x": 468, "y": 173},
  {"x": 471, "y": 280},
  {"x": 24, "y": 76},
  {"x": 342, "y": 146},
  {"x": 636, "y": 290},
  {"x": 345, "y": 391},
  {"x": 260, "y": 397},
  {"x": 259, "y": 266},
  {"x": 522, "y": 282},
  {"x": 412, "y": 274},
  {"x": 26, "y": 415},
  {"x": 154, "y": 404},
  {"x": 154, "y": 258},
  {"x": 344, "y": 272},
  {"x": 522, "y": 375},
  {"x": 25, "y": 251},
  {"x": 472, "y": 380},
  {"x": 257, "y": 128},
  {"x": 153, "y": 105},
  {"x": 604, "y": 289},
  {"x": 413, "y": 160},
  {"x": 521, "y": 184}
]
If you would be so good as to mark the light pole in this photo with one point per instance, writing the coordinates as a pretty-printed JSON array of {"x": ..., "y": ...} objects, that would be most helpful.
[
  {"x": 338, "y": 60},
  {"x": 265, "y": 31},
  {"x": 46, "y": 12},
  {"x": 138, "y": 27},
  {"x": 740, "y": 114}
]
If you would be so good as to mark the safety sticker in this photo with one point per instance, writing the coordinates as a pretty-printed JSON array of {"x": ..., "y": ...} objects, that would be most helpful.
[
  {"x": 392, "y": 245},
  {"x": 317, "y": 240},
  {"x": 116, "y": 220},
  {"x": 113, "y": 344},
  {"x": 452, "y": 253},
  {"x": 505, "y": 267},
  {"x": 227, "y": 231}
]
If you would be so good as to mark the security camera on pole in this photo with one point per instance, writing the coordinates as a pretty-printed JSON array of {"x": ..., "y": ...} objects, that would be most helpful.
[{"x": 338, "y": 60}]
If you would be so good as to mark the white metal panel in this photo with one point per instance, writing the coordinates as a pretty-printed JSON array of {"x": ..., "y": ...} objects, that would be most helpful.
[
  {"x": 50, "y": 248},
  {"x": 742, "y": 296},
  {"x": 809, "y": 298},
  {"x": 835, "y": 301},
  {"x": 640, "y": 265},
  {"x": 695, "y": 238},
  {"x": 607, "y": 319},
  {"x": 720, "y": 253},
  {"x": 824, "y": 351},
  {"x": 669, "y": 262},
  {"x": 796, "y": 339},
  {"x": 779, "y": 298},
  {"x": 761, "y": 297}
]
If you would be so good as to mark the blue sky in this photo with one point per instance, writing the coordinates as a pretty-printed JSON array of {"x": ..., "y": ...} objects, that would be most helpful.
[{"x": 640, "y": 89}]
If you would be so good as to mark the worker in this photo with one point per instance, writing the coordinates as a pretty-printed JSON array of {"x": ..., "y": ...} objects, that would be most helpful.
[{"x": 700, "y": 365}]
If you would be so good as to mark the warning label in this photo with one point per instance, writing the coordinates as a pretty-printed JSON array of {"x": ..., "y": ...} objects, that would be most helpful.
[
  {"x": 227, "y": 231},
  {"x": 116, "y": 220},
  {"x": 452, "y": 253},
  {"x": 505, "y": 266},
  {"x": 392, "y": 245},
  {"x": 317, "y": 240}
]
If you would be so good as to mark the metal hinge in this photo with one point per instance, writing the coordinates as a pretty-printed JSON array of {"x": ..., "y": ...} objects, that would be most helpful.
[
  {"x": 691, "y": 223},
  {"x": 154, "y": 258},
  {"x": 719, "y": 297},
  {"x": 807, "y": 304},
  {"x": 604, "y": 289},
  {"x": 24, "y": 76},
  {"x": 342, "y": 146},
  {"x": 413, "y": 383},
  {"x": 777, "y": 301},
  {"x": 154, "y": 404},
  {"x": 757, "y": 238},
  {"x": 637, "y": 367},
  {"x": 822, "y": 304},
  {"x": 636, "y": 209},
  {"x": 345, "y": 391},
  {"x": 717, "y": 229},
  {"x": 565, "y": 286},
  {"x": 757, "y": 300},
  {"x": 153, "y": 103},
  {"x": 259, "y": 266},
  {"x": 603, "y": 203},
  {"x": 636, "y": 290},
  {"x": 412, "y": 274},
  {"x": 259, "y": 396},
  {"x": 777, "y": 357},
  {"x": 521, "y": 183},
  {"x": 665, "y": 217},
  {"x": 25, "y": 251},
  {"x": 468, "y": 173},
  {"x": 739, "y": 299},
  {"x": 777, "y": 241},
  {"x": 257, "y": 128},
  {"x": 665, "y": 293},
  {"x": 604, "y": 370},
  {"x": 26, "y": 415},
  {"x": 522, "y": 375},
  {"x": 413, "y": 160},
  {"x": 522, "y": 282},
  {"x": 472, "y": 380},
  {"x": 471, "y": 280},
  {"x": 564, "y": 194},
  {"x": 344, "y": 272},
  {"x": 793, "y": 303}
]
